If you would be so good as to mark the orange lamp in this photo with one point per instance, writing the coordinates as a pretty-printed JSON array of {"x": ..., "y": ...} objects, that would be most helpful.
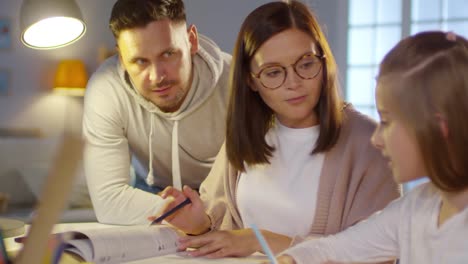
[{"x": 71, "y": 78}]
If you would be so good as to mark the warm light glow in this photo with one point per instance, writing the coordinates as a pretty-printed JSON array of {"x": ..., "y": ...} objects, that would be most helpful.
[
  {"x": 71, "y": 78},
  {"x": 53, "y": 32},
  {"x": 71, "y": 91}
]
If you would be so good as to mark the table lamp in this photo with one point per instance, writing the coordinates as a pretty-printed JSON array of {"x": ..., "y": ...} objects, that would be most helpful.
[
  {"x": 70, "y": 78},
  {"x": 49, "y": 24}
]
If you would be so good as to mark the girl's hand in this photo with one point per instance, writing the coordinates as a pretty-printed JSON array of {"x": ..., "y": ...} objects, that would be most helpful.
[{"x": 285, "y": 259}]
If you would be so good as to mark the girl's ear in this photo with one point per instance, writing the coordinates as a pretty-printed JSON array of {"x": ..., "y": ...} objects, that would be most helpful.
[{"x": 442, "y": 125}]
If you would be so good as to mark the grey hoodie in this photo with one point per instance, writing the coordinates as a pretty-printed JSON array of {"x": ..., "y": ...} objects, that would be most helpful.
[{"x": 182, "y": 145}]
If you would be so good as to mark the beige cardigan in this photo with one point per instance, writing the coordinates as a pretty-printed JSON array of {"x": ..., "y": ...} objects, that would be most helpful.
[{"x": 355, "y": 182}]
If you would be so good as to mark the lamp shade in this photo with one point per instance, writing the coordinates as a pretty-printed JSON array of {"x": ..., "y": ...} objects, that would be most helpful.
[
  {"x": 70, "y": 78},
  {"x": 49, "y": 24}
]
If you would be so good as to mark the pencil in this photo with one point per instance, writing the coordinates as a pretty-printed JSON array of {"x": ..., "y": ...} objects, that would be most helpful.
[
  {"x": 264, "y": 244},
  {"x": 170, "y": 212}
]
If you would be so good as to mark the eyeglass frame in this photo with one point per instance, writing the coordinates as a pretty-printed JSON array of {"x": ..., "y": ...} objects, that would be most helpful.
[{"x": 320, "y": 57}]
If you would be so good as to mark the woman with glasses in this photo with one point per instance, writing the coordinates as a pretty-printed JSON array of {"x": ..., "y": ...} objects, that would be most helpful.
[{"x": 297, "y": 161}]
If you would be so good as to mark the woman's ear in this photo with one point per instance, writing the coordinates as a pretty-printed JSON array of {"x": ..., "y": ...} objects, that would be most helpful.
[
  {"x": 442, "y": 125},
  {"x": 251, "y": 84}
]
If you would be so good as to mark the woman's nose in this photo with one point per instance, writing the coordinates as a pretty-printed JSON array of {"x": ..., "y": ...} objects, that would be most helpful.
[{"x": 292, "y": 79}]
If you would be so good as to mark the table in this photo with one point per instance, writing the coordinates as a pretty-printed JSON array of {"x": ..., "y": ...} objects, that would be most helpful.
[
  {"x": 11, "y": 227},
  {"x": 178, "y": 258},
  {"x": 257, "y": 258}
]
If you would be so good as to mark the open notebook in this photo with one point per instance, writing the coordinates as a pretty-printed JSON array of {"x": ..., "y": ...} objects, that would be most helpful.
[{"x": 133, "y": 240}]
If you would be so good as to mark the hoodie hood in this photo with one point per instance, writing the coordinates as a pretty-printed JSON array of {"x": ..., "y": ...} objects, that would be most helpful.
[
  {"x": 207, "y": 62},
  {"x": 208, "y": 66}
]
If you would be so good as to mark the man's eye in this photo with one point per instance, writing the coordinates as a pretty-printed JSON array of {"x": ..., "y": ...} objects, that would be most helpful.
[
  {"x": 168, "y": 54},
  {"x": 140, "y": 62}
]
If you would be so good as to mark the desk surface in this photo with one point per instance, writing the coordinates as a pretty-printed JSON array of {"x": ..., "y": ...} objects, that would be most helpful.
[
  {"x": 11, "y": 227},
  {"x": 179, "y": 258}
]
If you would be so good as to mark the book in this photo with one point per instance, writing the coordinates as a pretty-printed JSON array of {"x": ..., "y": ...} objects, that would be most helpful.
[{"x": 120, "y": 244}]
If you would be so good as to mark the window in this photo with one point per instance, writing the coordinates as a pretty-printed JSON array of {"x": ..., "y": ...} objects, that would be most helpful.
[
  {"x": 440, "y": 14},
  {"x": 375, "y": 26}
]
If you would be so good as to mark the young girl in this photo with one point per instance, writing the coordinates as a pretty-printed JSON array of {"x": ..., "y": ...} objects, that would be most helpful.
[
  {"x": 422, "y": 99},
  {"x": 297, "y": 161}
]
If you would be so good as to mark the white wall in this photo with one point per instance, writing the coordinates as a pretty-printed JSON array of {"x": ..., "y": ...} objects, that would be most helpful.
[
  {"x": 30, "y": 103},
  {"x": 333, "y": 16},
  {"x": 221, "y": 20}
]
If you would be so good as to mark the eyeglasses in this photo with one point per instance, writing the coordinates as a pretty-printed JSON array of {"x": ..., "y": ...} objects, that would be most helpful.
[{"x": 307, "y": 67}]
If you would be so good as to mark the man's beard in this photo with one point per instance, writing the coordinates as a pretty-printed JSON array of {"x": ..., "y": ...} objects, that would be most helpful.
[{"x": 174, "y": 104}]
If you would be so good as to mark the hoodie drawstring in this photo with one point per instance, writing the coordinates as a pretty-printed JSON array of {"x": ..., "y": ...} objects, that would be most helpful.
[
  {"x": 150, "y": 178},
  {"x": 209, "y": 62},
  {"x": 176, "y": 178}
]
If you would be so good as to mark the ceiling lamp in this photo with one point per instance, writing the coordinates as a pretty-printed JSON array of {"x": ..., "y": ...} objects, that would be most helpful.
[{"x": 49, "y": 24}]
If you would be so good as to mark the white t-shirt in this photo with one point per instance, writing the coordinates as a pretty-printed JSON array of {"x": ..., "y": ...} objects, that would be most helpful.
[
  {"x": 281, "y": 196},
  {"x": 406, "y": 229}
]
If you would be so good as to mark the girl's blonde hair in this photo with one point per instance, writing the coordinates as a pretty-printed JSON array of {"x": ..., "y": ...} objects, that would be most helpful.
[{"x": 426, "y": 81}]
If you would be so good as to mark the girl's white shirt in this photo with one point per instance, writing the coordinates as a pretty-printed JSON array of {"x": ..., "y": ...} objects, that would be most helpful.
[
  {"x": 281, "y": 196},
  {"x": 406, "y": 229}
]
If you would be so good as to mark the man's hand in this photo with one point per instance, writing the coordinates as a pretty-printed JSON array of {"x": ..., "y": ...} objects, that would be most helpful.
[{"x": 191, "y": 218}]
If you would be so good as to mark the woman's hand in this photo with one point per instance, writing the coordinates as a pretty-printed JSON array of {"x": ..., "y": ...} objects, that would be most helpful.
[
  {"x": 233, "y": 243},
  {"x": 219, "y": 244},
  {"x": 191, "y": 218}
]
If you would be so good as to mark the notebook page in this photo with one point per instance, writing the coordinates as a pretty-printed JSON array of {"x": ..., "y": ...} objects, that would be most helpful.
[
  {"x": 121, "y": 244},
  {"x": 82, "y": 248}
]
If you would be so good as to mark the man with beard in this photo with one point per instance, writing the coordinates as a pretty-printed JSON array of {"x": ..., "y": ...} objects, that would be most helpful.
[{"x": 161, "y": 100}]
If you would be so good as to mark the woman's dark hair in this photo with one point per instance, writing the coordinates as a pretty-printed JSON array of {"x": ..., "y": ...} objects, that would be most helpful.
[
  {"x": 128, "y": 14},
  {"x": 249, "y": 118}
]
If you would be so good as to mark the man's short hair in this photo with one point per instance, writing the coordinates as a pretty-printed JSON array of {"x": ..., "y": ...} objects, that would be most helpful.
[{"x": 128, "y": 14}]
